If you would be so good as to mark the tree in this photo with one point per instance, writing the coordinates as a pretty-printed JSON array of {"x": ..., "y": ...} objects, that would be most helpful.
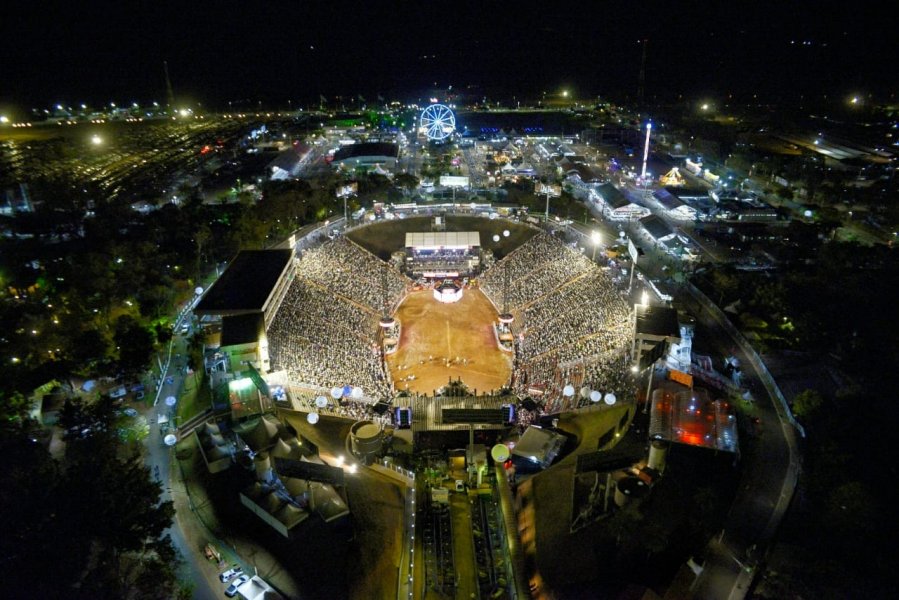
[
  {"x": 725, "y": 283},
  {"x": 785, "y": 193},
  {"x": 134, "y": 342},
  {"x": 202, "y": 236},
  {"x": 88, "y": 527},
  {"x": 195, "y": 346},
  {"x": 116, "y": 505},
  {"x": 88, "y": 347},
  {"x": 807, "y": 404},
  {"x": 163, "y": 333},
  {"x": 406, "y": 181},
  {"x": 28, "y": 505}
]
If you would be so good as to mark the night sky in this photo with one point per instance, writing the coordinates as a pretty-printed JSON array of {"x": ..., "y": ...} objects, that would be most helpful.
[{"x": 277, "y": 50}]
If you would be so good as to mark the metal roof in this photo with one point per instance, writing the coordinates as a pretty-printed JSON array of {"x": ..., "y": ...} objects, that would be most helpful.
[
  {"x": 443, "y": 239},
  {"x": 366, "y": 149},
  {"x": 246, "y": 284},
  {"x": 656, "y": 227}
]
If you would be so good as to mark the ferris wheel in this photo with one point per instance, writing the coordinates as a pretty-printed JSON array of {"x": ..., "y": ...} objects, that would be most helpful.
[{"x": 438, "y": 122}]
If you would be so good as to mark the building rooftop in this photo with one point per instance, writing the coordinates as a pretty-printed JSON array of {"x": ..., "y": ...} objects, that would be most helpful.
[
  {"x": 689, "y": 416},
  {"x": 657, "y": 320},
  {"x": 656, "y": 227},
  {"x": 442, "y": 239},
  {"x": 246, "y": 284},
  {"x": 540, "y": 446},
  {"x": 586, "y": 174},
  {"x": 667, "y": 199},
  {"x": 366, "y": 149},
  {"x": 685, "y": 193},
  {"x": 241, "y": 329},
  {"x": 612, "y": 196},
  {"x": 289, "y": 159}
]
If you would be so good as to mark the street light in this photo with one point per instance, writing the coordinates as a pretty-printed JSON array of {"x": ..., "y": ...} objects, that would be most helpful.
[
  {"x": 96, "y": 140},
  {"x": 595, "y": 237}
]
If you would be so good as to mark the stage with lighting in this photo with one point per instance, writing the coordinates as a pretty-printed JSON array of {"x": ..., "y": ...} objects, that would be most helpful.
[{"x": 448, "y": 292}]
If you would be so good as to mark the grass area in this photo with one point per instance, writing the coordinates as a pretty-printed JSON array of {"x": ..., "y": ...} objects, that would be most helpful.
[
  {"x": 194, "y": 398},
  {"x": 750, "y": 321},
  {"x": 387, "y": 237}
]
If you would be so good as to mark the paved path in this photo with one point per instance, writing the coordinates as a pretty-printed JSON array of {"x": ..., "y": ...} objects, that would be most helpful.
[{"x": 160, "y": 458}]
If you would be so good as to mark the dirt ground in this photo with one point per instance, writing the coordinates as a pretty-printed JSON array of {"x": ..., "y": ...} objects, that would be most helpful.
[{"x": 434, "y": 333}]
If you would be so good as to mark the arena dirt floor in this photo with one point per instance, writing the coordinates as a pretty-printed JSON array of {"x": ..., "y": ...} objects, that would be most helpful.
[{"x": 442, "y": 341}]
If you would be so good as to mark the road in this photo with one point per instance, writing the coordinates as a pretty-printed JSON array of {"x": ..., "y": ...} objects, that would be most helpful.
[{"x": 473, "y": 170}]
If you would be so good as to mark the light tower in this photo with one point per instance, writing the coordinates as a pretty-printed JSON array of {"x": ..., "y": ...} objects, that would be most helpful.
[
  {"x": 506, "y": 317},
  {"x": 646, "y": 150},
  {"x": 169, "y": 94},
  {"x": 386, "y": 321},
  {"x": 641, "y": 81}
]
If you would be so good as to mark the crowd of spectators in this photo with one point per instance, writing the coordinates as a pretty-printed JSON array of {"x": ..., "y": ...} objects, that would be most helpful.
[
  {"x": 346, "y": 269},
  {"x": 572, "y": 324},
  {"x": 325, "y": 331},
  {"x": 537, "y": 267},
  {"x": 587, "y": 315}
]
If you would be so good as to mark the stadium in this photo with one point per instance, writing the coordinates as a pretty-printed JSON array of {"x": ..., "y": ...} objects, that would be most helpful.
[
  {"x": 490, "y": 349},
  {"x": 441, "y": 325}
]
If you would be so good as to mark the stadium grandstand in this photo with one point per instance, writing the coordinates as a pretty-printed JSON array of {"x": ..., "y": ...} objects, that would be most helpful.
[
  {"x": 321, "y": 319},
  {"x": 324, "y": 334},
  {"x": 572, "y": 326}
]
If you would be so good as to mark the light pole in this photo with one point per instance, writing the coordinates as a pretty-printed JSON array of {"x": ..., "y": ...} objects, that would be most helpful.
[
  {"x": 550, "y": 191},
  {"x": 630, "y": 286},
  {"x": 345, "y": 192},
  {"x": 646, "y": 150},
  {"x": 595, "y": 237}
]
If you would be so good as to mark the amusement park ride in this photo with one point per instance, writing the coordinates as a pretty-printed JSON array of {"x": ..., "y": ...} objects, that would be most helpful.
[
  {"x": 437, "y": 122},
  {"x": 672, "y": 178}
]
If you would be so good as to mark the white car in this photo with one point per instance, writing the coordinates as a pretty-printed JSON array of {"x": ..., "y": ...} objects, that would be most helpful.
[
  {"x": 230, "y": 573},
  {"x": 232, "y": 589}
]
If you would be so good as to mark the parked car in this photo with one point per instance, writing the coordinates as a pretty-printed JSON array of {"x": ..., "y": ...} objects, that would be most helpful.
[
  {"x": 230, "y": 573},
  {"x": 232, "y": 589}
]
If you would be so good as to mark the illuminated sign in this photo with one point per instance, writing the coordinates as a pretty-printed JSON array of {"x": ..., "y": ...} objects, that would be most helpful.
[
  {"x": 681, "y": 378},
  {"x": 547, "y": 189},
  {"x": 347, "y": 190},
  {"x": 453, "y": 181}
]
